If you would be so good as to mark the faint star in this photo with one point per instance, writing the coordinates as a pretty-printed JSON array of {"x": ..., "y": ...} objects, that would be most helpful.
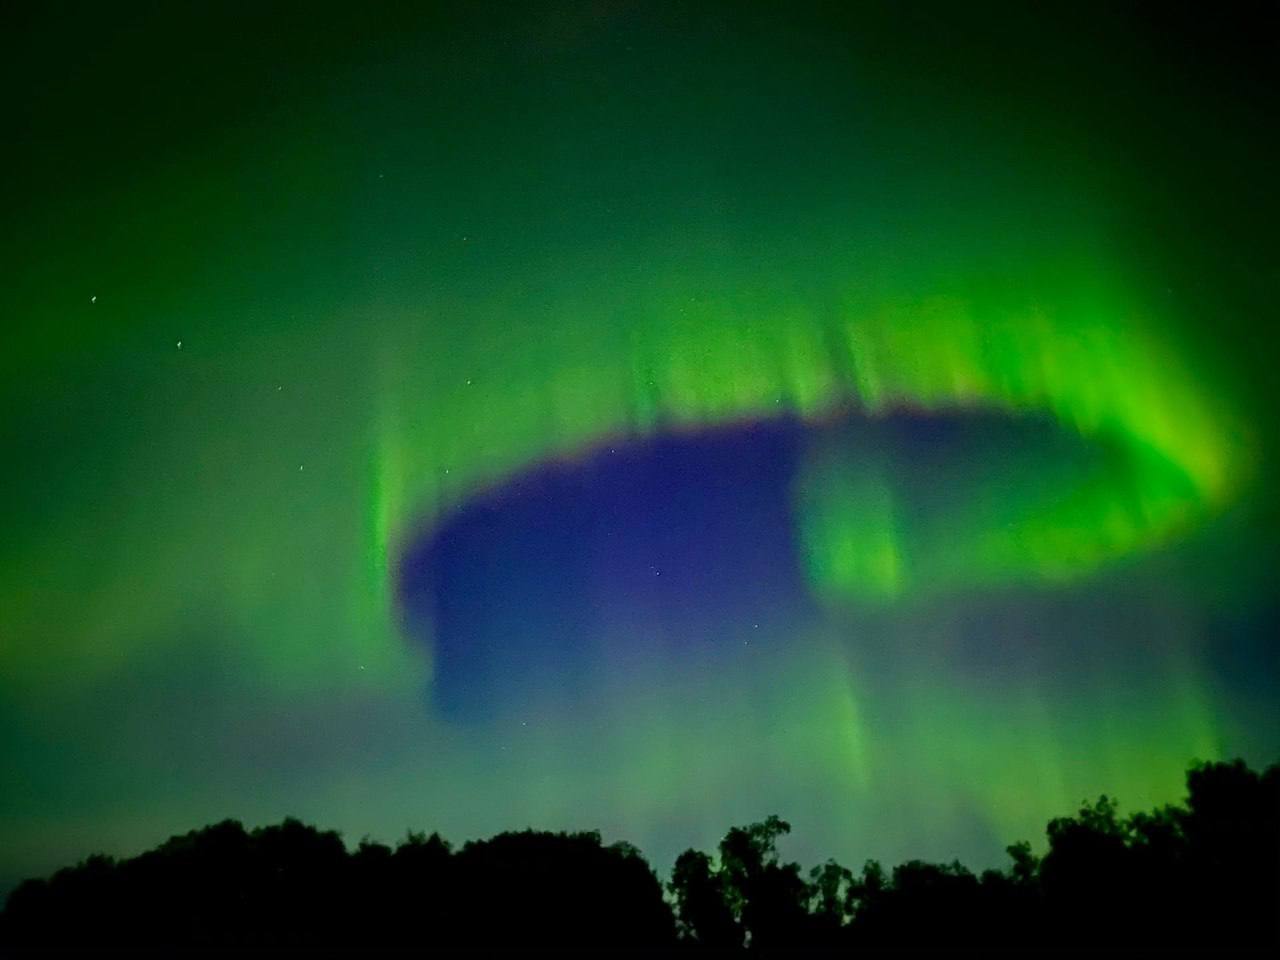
[
  {"x": 179, "y": 344},
  {"x": 93, "y": 299}
]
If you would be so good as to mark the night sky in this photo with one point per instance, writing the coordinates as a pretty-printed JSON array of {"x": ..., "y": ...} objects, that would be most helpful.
[{"x": 644, "y": 417}]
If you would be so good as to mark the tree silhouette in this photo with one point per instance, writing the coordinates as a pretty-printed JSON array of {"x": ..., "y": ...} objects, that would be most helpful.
[
  {"x": 1203, "y": 875},
  {"x": 701, "y": 903},
  {"x": 831, "y": 889}
]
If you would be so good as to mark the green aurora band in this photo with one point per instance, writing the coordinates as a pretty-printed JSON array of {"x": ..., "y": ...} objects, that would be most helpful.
[{"x": 1177, "y": 456}]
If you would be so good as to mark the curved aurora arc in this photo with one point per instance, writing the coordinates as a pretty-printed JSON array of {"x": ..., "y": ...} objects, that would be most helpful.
[
  {"x": 1073, "y": 355},
  {"x": 1177, "y": 455}
]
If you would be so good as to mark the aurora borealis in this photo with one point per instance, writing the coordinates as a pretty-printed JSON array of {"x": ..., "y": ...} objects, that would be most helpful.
[{"x": 644, "y": 417}]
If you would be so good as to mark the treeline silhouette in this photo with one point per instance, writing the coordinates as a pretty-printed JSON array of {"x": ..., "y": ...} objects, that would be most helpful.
[{"x": 1200, "y": 876}]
